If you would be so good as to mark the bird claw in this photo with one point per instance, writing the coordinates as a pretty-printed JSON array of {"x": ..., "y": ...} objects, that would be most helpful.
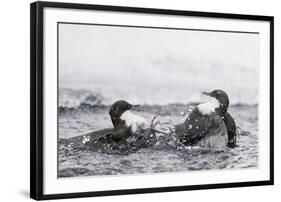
[
  {"x": 153, "y": 125},
  {"x": 152, "y": 121}
]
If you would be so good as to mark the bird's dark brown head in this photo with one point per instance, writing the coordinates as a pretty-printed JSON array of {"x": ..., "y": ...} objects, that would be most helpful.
[
  {"x": 222, "y": 97},
  {"x": 116, "y": 110}
]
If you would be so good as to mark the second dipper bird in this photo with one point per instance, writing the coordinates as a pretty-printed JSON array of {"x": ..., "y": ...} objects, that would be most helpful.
[{"x": 209, "y": 124}]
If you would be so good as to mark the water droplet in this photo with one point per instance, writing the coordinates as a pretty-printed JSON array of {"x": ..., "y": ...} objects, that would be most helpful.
[{"x": 183, "y": 113}]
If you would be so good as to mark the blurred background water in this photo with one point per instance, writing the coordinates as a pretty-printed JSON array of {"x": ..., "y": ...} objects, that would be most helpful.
[{"x": 156, "y": 66}]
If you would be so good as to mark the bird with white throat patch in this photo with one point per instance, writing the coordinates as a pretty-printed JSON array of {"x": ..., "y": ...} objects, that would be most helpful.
[
  {"x": 209, "y": 123},
  {"x": 122, "y": 116}
]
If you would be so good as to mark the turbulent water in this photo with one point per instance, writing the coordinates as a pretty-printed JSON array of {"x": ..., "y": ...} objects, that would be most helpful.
[{"x": 78, "y": 118}]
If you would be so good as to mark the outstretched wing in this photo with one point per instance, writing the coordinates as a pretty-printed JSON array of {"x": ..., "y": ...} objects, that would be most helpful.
[
  {"x": 96, "y": 138},
  {"x": 109, "y": 138}
]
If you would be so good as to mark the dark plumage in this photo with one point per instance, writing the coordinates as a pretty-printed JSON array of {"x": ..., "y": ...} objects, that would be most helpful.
[
  {"x": 116, "y": 110},
  {"x": 115, "y": 137},
  {"x": 231, "y": 129},
  {"x": 209, "y": 120},
  {"x": 198, "y": 126}
]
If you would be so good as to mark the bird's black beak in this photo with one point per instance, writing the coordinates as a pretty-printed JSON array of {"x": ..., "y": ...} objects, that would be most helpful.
[{"x": 206, "y": 93}]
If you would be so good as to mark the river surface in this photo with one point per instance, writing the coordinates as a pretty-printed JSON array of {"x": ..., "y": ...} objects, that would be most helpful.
[{"x": 163, "y": 156}]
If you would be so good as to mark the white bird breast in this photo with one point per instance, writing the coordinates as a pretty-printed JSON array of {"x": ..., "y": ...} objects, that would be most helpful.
[
  {"x": 208, "y": 107},
  {"x": 134, "y": 121}
]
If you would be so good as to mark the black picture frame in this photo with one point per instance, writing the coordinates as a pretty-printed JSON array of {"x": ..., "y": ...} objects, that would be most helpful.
[{"x": 36, "y": 98}]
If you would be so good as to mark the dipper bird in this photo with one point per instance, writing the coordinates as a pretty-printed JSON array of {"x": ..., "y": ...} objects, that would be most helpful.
[
  {"x": 122, "y": 116},
  {"x": 209, "y": 124},
  {"x": 129, "y": 130}
]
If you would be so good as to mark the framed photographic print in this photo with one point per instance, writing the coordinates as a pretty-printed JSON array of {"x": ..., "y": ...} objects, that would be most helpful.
[{"x": 138, "y": 100}]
